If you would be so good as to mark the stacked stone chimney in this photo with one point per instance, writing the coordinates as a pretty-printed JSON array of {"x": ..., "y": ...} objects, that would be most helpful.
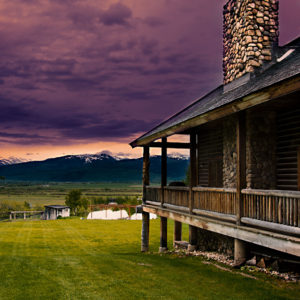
[{"x": 250, "y": 35}]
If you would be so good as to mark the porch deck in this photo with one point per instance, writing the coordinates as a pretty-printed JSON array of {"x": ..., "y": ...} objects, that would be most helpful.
[{"x": 269, "y": 218}]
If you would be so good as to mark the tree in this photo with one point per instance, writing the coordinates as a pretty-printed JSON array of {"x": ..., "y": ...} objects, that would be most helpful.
[
  {"x": 74, "y": 201},
  {"x": 27, "y": 205},
  {"x": 2, "y": 178}
]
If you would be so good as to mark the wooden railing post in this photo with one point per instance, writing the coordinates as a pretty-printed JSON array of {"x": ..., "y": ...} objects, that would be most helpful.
[
  {"x": 193, "y": 169},
  {"x": 146, "y": 173},
  {"x": 298, "y": 167},
  {"x": 241, "y": 164},
  {"x": 240, "y": 252},
  {"x": 163, "y": 169}
]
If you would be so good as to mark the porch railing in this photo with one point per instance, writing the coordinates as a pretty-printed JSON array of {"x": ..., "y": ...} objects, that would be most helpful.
[
  {"x": 215, "y": 199},
  {"x": 176, "y": 195},
  {"x": 272, "y": 206},
  {"x": 281, "y": 207},
  {"x": 153, "y": 194}
]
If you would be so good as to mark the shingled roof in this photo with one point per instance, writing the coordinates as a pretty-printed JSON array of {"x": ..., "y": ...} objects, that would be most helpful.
[{"x": 287, "y": 66}]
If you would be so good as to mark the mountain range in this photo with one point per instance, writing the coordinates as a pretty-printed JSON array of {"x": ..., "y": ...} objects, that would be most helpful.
[
  {"x": 92, "y": 168},
  {"x": 11, "y": 161}
]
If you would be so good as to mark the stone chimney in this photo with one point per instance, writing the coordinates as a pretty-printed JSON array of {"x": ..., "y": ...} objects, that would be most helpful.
[{"x": 250, "y": 35}]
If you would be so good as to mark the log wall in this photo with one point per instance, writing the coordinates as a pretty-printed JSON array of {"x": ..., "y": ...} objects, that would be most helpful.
[{"x": 288, "y": 148}]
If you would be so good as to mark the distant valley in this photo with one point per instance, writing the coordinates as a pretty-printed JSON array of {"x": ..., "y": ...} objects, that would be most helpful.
[{"x": 91, "y": 168}]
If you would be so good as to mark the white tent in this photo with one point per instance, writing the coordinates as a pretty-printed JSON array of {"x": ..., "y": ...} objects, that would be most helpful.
[
  {"x": 108, "y": 215},
  {"x": 139, "y": 216}
]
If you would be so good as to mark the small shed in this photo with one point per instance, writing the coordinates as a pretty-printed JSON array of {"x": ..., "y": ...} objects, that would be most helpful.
[{"x": 52, "y": 212}]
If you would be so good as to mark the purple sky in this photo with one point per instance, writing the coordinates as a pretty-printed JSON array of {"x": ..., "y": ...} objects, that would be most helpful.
[{"x": 80, "y": 75}]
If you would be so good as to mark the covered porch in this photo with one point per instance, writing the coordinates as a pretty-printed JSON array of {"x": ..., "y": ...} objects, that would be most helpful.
[{"x": 244, "y": 181}]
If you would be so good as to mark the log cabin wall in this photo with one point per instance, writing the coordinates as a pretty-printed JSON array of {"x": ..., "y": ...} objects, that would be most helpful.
[
  {"x": 229, "y": 152},
  {"x": 261, "y": 149},
  {"x": 217, "y": 149},
  {"x": 288, "y": 149},
  {"x": 210, "y": 157}
]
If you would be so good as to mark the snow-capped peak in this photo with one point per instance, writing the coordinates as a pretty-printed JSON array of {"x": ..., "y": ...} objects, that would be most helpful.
[
  {"x": 11, "y": 160},
  {"x": 89, "y": 158},
  {"x": 178, "y": 156}
]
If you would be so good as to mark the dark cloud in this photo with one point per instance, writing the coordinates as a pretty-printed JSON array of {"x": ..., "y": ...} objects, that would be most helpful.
[
  {"x": 19, "y": 135},
  {"x": 108, "y": 129},
  {"x": 116, "y": 14},
  {"x": 154, "y": 21},
  {"x": 12, "y": 113},
  {"x": 104, "y": 70}
]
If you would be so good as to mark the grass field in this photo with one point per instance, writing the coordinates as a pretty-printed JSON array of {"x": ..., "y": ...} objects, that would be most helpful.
[
  {"x": 54, "y": 193},
  {"x": 81, "y": 259}
]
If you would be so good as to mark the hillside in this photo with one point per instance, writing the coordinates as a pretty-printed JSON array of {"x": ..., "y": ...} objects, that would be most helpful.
[{"x": 92, "y": 168}]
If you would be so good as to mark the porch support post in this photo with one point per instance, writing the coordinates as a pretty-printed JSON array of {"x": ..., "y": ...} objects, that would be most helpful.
[
  {"x": 145, "y": 215},
  {"x": 298, "y": 167},
  {"x": 193, "y": 170},
  {"x": 240, "y": 252},
  {"x": 10, "y": 216},
  {"x": 240, "y": 246},
  {"x": 163, "y": 235},
  {"x": 146, "y": 173},
  {"x": 193, "y": 240},
  {"x": 145, "y": 232},
  {"x": 177, "y": 231},
  {"x": 24, "y": 216},
  {"x": 163, "y": 169},
  {"x": 193, "y": 182}
]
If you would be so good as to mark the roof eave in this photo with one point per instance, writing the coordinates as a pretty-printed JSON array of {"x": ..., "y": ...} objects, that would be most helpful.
[{"x": 279, "y": 89}]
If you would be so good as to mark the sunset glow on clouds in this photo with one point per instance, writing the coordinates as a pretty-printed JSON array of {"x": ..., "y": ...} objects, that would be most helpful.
[{"x": 83, "y": 76}]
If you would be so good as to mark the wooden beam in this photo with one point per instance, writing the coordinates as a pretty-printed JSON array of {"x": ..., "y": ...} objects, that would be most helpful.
[
  {"x": 280, "y": 89},
  {"x": 298, "y": 166},
  {"x": 272, "y": 226},
  {"x": 275, "y": 193},
  {"x": 193, "y": 169},
  {"x": 146, "y": 171},
  {"x": 177, "y": 231},
  {"x": 153, "y": 203},
  {"x": 176, "y": 207},
  {"x": 163, "y": 234},
  {"x": 241, "y": 164},
  {"x": 193, "y": 238},
  {"x": 163, "y": 169},
  {"x": 215, "y": 215},
  {"x": 280, "y": 242},
  {"x": 170, "y": 145}
]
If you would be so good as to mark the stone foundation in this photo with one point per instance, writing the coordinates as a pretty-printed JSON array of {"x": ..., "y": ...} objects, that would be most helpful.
[
  {"x": 249, "y": 35},
  {"x": 210, "y": 241}
]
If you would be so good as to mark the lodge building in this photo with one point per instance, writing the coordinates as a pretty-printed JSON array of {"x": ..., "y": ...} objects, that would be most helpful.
[{"x": 244, "y": 143}]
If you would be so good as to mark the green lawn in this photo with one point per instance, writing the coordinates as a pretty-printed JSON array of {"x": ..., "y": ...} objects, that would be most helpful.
[{"x": 80, "y": 259}]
